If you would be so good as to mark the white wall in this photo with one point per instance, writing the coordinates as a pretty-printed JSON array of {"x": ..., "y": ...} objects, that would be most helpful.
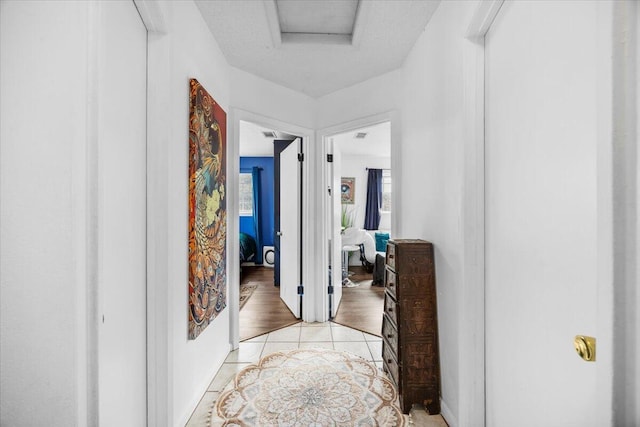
[
  {"x": 356, "y": 166},
  {"x": 42, "y": 109},
  {"x": 427, "y": 161},
  {"x": 193, "y": 53},
  {"x": 368, "y": 98},
  {"x": 431, "y": 177},
  {"x": 257, "y": 95}
]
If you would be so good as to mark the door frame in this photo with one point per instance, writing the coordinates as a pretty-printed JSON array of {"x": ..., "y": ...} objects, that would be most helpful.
[
  {"x": 324, "y": 231},
  {"x": 233, "y": 222},
  {"x": 613, "y": 223}
]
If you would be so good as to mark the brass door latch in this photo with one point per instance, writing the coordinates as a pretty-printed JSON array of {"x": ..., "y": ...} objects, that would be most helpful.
[{"x": 585, "y": 347}]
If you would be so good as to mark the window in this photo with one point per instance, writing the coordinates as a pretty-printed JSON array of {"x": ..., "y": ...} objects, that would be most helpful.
[
  {"x": 386, "y": 190},
  {"x": 246, "y": 194}
]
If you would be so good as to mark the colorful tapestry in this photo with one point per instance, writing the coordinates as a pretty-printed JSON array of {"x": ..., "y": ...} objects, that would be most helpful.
[{"x": 207, "y": 209}]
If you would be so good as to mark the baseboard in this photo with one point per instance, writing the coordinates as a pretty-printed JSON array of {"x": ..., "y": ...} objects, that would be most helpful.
[
  {"x": 448, "y": 416},
  {"x": 200, "y": 392}
]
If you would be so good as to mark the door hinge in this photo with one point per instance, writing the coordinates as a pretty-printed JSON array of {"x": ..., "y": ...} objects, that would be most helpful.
[
  {"x": 330, "y": 290},
  {"x": 330, "y": 158},
  {"x": 301, "y": 157},
  {"x": 300, "y": 290}
]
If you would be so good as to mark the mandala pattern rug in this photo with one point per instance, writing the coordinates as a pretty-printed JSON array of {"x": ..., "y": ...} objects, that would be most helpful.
[
  {"x": 309, "y": 387},
  {"x": 245, "y": 292}
]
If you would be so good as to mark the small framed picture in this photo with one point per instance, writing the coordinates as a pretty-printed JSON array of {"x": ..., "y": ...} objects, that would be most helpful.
[{"x": 348, "y": 190}]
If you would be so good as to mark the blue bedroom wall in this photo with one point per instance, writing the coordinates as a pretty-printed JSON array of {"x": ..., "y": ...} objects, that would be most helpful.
[{"x": 266, "y": 196}]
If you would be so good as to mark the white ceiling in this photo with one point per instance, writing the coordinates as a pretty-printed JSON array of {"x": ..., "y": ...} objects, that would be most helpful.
[
  {"x": 317, "y": 53},
  {"x": 377, "y": 142},
  {"x": 253, "y": 142}
]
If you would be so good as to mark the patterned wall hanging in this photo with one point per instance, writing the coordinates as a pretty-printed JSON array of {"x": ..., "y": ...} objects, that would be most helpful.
[
  {"x": 348, "y": 190},
  {"x": 207, "y": 209}
]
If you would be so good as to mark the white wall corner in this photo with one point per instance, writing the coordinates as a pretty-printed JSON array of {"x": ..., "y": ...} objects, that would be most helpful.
[
  {"x": 452, "y": 420},
  {"x": 152, "y": 16},
  {"x": 483, "y": 17},
  {"x": 159, "y": 351},
  {"x": 364, "y": 9},
  {"x": 271, "y": 10}
]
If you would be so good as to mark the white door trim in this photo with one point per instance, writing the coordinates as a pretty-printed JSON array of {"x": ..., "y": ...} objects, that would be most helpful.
[
  {"x": 324, "y": 233},
  {"x": 233, "y": 221},
  {"x": 472, "y": 309},
  {"x": 624, "y": 161},
  {"x": 159, "y": 370}
]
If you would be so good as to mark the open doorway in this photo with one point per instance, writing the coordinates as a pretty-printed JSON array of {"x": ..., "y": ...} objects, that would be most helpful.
[
  {"x": 360, "y": 223},
  {"x": 262, "y": 308}
]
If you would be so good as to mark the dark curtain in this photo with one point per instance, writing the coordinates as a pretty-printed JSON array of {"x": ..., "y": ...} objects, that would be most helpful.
[
  {"x": 255, "y": 175},
  {"x": 374, "y": 199}
]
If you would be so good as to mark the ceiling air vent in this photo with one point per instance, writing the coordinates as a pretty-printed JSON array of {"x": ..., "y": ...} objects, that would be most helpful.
[
  {"x": 269, "y": 134},
  {"x": 361, "y": 135}
]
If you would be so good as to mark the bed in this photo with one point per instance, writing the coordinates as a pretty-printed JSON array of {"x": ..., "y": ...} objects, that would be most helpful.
[{"x": 248, "y": 248}]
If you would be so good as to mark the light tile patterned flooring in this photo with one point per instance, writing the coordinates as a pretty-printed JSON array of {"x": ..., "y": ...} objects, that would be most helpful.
[{"x": 302, "y": 335}]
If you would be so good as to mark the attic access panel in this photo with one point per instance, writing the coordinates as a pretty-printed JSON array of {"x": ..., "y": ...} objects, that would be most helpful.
[{"x": 317, "y": 17}]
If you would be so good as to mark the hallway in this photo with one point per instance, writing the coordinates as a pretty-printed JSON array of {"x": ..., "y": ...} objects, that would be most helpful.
[
  {"x": 302, "y": 335},
  {"x": 514, "y": 130}
]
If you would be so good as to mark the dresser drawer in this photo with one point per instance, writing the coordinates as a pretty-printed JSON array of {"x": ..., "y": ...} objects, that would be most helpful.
[
  {"x": 391, "y": 309},
  {"x": 408, "y": 256},
  {"x": 390, "y": 363},
  {"x": 390, "y": 333},
  {"x": 390, "y": 281},
  {"x": 390, "y": 259}
]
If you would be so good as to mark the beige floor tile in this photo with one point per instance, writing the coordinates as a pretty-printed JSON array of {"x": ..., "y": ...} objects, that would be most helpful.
[
  {"x": 370, "y": 337},
  {"x": 289, "y": 334},
  {"x": 259, "y": 338},
  {"x": 316, "y": 344},
  {"x": 341, "y": 333},
  {"x": 226, "y": 373},
  {"x": 200, "y": 417},
  {"x": 272, "y": 347},
  {"x": 315, "y": 334},
  {"x": 358, "y": 348},
  {"x": 421, "y": 418},
  {"x": 248, "y": 352},
  {"x": 376, "y": 350},
  {"x": 313, "y": 324}
]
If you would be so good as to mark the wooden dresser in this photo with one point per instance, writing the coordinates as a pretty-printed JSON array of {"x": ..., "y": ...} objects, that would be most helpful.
[{"x": 410, "y": 323}]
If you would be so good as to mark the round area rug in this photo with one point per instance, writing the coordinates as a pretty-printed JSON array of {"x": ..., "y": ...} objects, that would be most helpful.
[{"x": 309, "y": 387}]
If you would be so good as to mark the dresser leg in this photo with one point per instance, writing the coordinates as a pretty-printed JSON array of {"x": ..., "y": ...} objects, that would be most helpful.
[{"x": 432, "y": 406}]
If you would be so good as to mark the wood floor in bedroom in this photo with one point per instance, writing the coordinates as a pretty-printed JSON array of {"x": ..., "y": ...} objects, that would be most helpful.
[
  {"x": 361, "y": 306},
  {"x": 264, "y": 311}
]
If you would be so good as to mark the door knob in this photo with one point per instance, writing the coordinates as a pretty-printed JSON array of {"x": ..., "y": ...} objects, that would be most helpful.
[
  {"x": 278, "y": 233},
  {"x": 585, "y": 347}
]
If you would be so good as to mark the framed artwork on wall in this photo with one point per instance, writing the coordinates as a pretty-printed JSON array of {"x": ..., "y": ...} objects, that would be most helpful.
[
  {"x": 348, "y": 190},
  {"x": 207, "y": 209}
]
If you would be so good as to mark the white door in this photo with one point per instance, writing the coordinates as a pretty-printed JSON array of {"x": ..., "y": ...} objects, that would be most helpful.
[
  {"x": 122, "y": 215},
  {"x": 542, "y": 246},
  {"x": 336, "y": 228},
  {"x": 290, "y": 256}
]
